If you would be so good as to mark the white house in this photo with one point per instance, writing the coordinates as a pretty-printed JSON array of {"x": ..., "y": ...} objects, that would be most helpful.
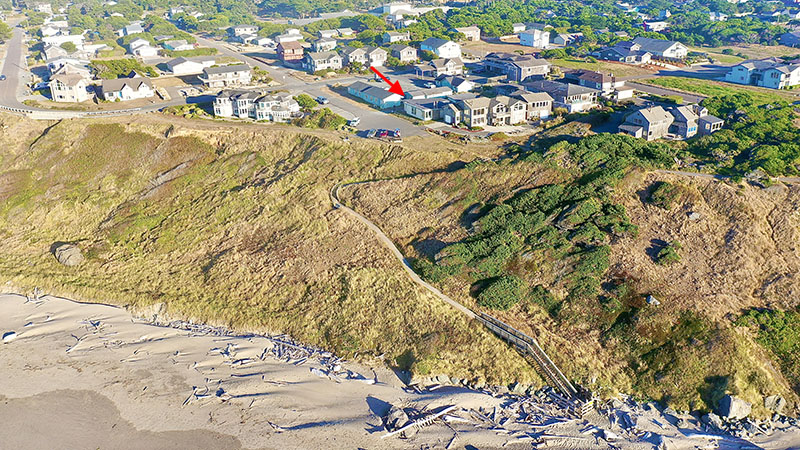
[
  {"x": 185, "y": 66},
  {"x": 177, "y": 45},
  {"x": 76, "y": 39},
  {"x": 68, "y": 88},
  {"x": 472, "y": 33},
  {"x": 661, "y": 48},
  {"x": 534, "y": 38},
  {"x": 134, "y": 28},
  {"x": 441, "y": 47},
  {"x": 124, "y": 89},
  {"x": 239, "y": 30}
]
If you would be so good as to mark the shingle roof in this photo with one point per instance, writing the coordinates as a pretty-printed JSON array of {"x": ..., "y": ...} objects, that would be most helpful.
[
  {"x": 69, "y": 79},
  {"x": 654, "y": 45},
  {"x": 119, "y": 83},
  {"x": 226, "y": 69}
]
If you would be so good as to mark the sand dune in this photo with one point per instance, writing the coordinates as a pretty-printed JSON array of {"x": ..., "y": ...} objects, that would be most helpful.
[{"x": 92, "y": 376}]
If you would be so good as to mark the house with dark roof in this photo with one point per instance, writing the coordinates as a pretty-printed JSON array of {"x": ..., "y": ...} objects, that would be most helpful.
[
  {"x": 457, "y": 84},
  {"x": 662, "y": 49},
  {"x": 626, "y": 51},
  {"x": 790, "y": 39},
  {"x": 573, "y": 97},
  {"x": 441, "y": 66},
  {"x": 425, "y": 108},
  {"x": 374, "y": 95},
  {"x": 516, "y": 67}
]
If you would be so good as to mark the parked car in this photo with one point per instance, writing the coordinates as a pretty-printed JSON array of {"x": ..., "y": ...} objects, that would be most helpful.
[
  {"x": 322, "y": 100},
  {"x": 430, "y": 84},
  {"x": 383, "y": 133},
  {"x": 371, "y": 133},
  {"x": 2, "y": 78},
  {"x": 354, "y": 121}
]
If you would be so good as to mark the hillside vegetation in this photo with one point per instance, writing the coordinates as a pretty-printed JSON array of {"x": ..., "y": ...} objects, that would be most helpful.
[
  {"x": 230, "y": 225},
  {"x": 570, "y": 238}
]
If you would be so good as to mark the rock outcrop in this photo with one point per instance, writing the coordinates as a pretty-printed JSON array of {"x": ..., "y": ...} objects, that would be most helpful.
[
  {"x": 733, "y": 408},
  {"x": 67, "y": 254}
]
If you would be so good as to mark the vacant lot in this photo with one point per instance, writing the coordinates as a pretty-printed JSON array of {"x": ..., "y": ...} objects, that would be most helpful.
[{"x": 710, "y": 88}]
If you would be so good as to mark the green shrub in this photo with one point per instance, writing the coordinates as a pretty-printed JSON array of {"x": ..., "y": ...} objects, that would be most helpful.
[
  {"x": 669, "y": 254},
  {"x": 502, "y": 293},
  {"x": 663, "y": 194},
  {"x": 306, "y": 102}
]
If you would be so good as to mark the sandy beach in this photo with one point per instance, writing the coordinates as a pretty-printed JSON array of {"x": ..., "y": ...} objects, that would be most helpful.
[{"x": 81, "y": 376}]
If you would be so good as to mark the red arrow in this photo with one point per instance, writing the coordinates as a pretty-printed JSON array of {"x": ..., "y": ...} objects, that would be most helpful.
[{"x": 395, "y": 87}]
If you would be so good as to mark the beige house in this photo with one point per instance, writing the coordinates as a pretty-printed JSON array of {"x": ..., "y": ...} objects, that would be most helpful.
[
  {"x": 224, "y": 76},
  {"x": 68, "y": 88},
  {"x": 649, "y": 123}
]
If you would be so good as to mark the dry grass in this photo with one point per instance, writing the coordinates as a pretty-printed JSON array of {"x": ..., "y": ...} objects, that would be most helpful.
[{"x": 245, "y": 236}]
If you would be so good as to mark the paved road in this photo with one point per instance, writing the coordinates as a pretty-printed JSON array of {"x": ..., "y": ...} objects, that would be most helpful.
[{"x": 12, "y": 68}]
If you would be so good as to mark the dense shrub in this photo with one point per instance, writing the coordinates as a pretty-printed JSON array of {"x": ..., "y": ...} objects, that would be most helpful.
[
  {"x": 669, "y": 254},
  {"x": 663, "y": 194},
  {"x": 502, "y": 293}
]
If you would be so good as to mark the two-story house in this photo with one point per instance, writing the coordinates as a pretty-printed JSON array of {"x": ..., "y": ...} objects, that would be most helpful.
[
  {"x": 572, "y": 97},
  {"x": 124, "y": 89},
  {"x": 442, "y": 48},
  {"x": 324, "y": 44},
  {"x": 291, "y": 51},
  {"x": 405, "y": 53},
  {"x": 390, "y": 37},
  {"x": 650, "y": 123},
  {"x": 224, "y": 76},
  {"x": 69, "y": 88},
  {"x": 534, "y": 38},
  {"x": 517, "y": 68},
  {"x": 471, "y": 33},
  {"x": 316, "y": 61}
]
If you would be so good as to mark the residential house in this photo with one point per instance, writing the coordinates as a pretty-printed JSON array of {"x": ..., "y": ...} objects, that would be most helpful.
[
  {"x": 328, "y": 33},
  {"x": 136, "y": 43},
  {"x": 539, "y": 105},
  {"x": 655, "y": 26},
  {"x": 517, "y": 27},
  {"x": 224, "y": 76},
  {"x": 124, "y": 89},
  {"x": 457, "y": 84},
  {"x": 376, "y": 56},
  {"x": 68, "y": 88},
  {"x": 405, "y": 53},
  {"x": 264, "y": 41},
  {"x": 252, "y": 104},
  {"x": 504, "y": 110},
  {"x": 434, "y": 92},
  {"x": 163, "y": 37},
  {"x": 606, "y": 83},
  {"x": 774, "y": 73},
  {"x": 517, "y": 68},
  {"x": 51, "y": 30},
  {"x": 534, "y": 38},
  {"x": 56, "y": 63},
  {"x": 790, "y": 39},
  {"x": 717, "y": 16},
  {"x": 650, "y": 123},
  {"x": 54, "y": 51},
  {"x": 573, "y": 97},
  {"x": 177, "y": 45},
  {"x": 46, "y": 8},
  {"x": 390, "y": 37},
  {"x": 626, "y": 51},
  {"x": 81, "y": 70},
  {"x": 442, "y": 48},
  {"x": 393, "y": 7},
  {"x": 133, "y": 28},
  {"x": 145, "y": 51},
  {"x": 565, "y": 39},
  {"x": 425, "y": 108},
  {"x": 239, "y": 30},
  {"x": 691, "y": 120},
  {"x": 374, "y": 95},
  {"x": 324, "y": 44},
  {"x": 76, "y": 39},
  {"x": 471, "y": 33},
  {"x": 316, "y": 61},
  {"x": 246, "y": 39},
  {"x": 189, "y": 66},
  {"x": 345, "y": 32},
  {"x": 354, "y": 55},
  {"x": 472, "y": 111},
  {"x": 662, "y": 49},
  {"x": 291, "y": 35},
  {"x": 290, "y": 51},
  {"x": 441, "y": 66}
]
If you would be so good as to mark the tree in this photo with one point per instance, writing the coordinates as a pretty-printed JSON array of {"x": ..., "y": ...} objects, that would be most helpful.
[
  {"x": 69, "y": 47},
  {"x": 306, "y": 102},
  {"x": 5, "y": 31}
]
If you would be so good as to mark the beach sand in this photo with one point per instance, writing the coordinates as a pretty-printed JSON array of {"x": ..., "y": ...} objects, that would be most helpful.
[{"x": 91, "y": 376}]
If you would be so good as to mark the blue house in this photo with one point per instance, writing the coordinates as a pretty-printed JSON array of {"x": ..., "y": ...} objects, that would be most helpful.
[{"x": 374, "y": 95}]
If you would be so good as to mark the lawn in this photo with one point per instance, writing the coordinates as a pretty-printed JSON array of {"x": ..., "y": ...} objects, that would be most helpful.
[
  {"x": 618, "y": 69},
  {"x": 712, "y": 88}
]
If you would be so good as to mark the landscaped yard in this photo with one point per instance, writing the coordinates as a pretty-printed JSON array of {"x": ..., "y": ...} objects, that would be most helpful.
[{"x": 711, "y": 88}]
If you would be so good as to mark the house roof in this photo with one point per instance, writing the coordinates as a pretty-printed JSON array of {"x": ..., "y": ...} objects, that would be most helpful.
[
  {"x": 597, "y": 77},
  {"x": 433, "y": 42},
  {"x": 476, "y": 102},
  {"x": 375, "y": 91},
  {"x": 239, "y": 94},
  {"x": 684, "y": 113},
  {"x": 397, "y": 33},
  {"x": 655, "y": 114},
  {"x": 400, "y": 47},
  {"x": 440, "y": 63},
  {"x": 291, "y": 45},
  {"x": 427, "y": 103},
  {"x": 321, "y": 56},
  {"x": 119, "y": 83},
  {"x": 453, "y": 80},
  {"x": 226, "y": 69},
  {"x": 69, "y": 79},
  {"x": 558, "y": 89},
  {"x": 469, "y": 29},
  {"x": 180, "y": 60},
  {"x": 532, "y": 97}
]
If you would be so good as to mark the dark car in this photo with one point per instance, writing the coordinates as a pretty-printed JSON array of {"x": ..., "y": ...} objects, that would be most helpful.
[{"x": 2, "y": 78}]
